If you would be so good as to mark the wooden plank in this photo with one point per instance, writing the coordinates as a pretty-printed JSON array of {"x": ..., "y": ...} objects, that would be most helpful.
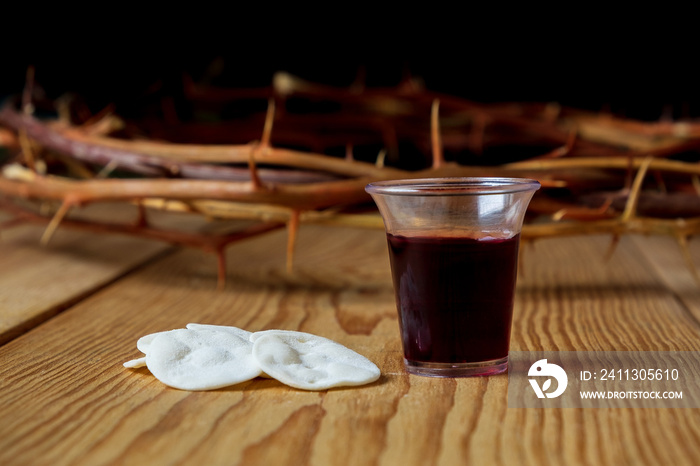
[
  {"x": 38, "y": 282},
  {"x": 666, "y": 257},
  {"x": 571, "y": 298},
  {"x": 65, "y": 399}
]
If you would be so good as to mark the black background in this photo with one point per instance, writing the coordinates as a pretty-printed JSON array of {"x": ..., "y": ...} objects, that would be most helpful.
[{"x": 637, "y": 67}]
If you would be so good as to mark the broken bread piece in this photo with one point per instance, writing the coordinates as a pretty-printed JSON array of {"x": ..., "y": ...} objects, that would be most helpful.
[
  {"x": 135, "y": 363},
  {"x": 309, "y": 362},
  {"x": 201, "y": 359},
  {"x": 221, "y": 328}
]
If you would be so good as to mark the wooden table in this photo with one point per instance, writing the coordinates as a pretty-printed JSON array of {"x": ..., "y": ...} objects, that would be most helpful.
[{"x": 71, "y": 312}]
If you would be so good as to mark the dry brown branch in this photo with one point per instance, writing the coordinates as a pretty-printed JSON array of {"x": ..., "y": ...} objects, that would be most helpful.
[
  {"x": 633, "y": 199},
  {"x": 27, "y": 150},
  {"x": 599, "y": 175},
  {"x": 215, "y": 244},
  {"x": 55, "y": 221},
  {"x": 438, "y": 156},
  {"x": 319, "y": 195},
  {"x": 618, "y": 163},
  {"x": 8, "y": 139},
  {"x": 292, "y": 229},
  {"x": 161, "y": 159}
]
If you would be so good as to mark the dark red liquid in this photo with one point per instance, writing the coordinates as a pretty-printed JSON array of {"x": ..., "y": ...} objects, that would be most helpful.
[{"x": 454, "y": 296}]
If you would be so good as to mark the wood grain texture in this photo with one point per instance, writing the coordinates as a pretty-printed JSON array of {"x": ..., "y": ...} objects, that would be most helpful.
[
  {"x": 665, "y": 257},
  {"x": 65, "y": 399},
  {"x": 571, "y": 298},
  {"x": 37, "y": 282}
]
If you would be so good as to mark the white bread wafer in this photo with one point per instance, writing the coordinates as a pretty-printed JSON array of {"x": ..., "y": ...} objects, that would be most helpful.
[
  {"x": 201, "y": 359},
  {"x": 221, "y": 328},
  {"x": 309, "y": 362}
]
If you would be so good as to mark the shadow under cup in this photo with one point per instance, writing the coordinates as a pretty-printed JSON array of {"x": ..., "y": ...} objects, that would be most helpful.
[{"x": 453, "y": 246}]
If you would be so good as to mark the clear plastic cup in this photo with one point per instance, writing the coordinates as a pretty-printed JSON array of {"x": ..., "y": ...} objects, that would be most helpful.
[{"x": 453, "y": 246}]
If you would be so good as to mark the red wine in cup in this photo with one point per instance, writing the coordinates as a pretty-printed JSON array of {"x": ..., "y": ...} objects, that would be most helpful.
[{"x": 454, "y": 296}]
